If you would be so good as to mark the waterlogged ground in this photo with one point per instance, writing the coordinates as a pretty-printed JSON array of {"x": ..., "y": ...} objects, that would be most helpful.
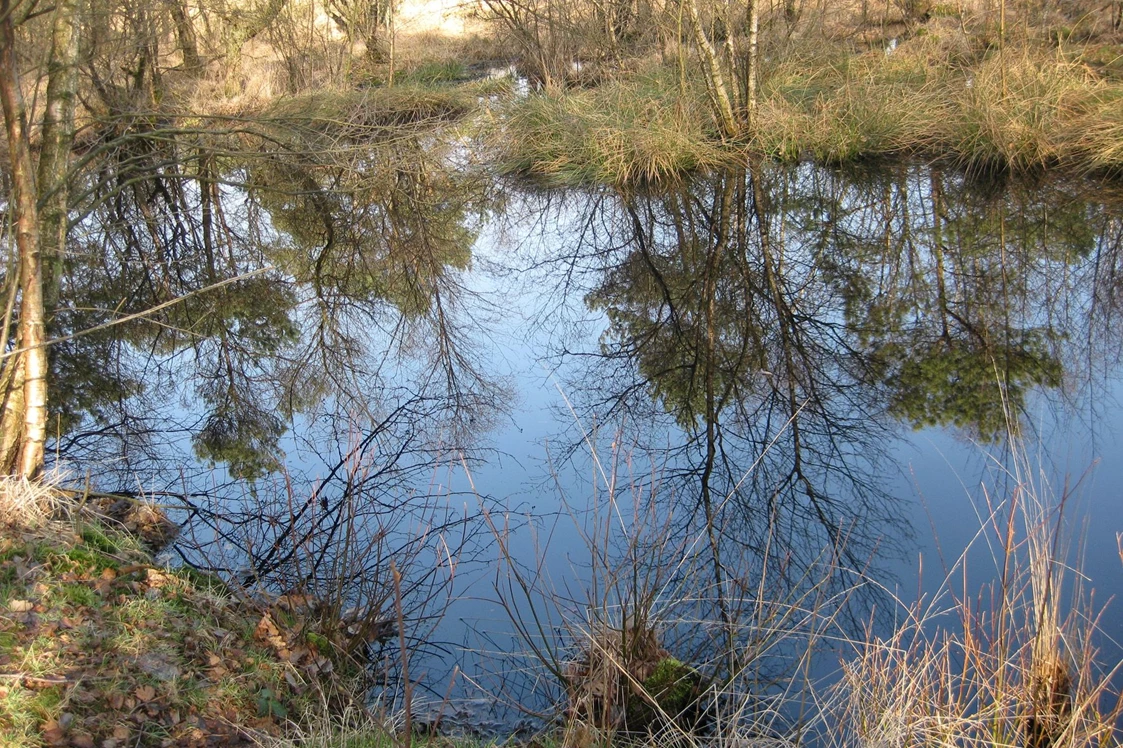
[{"x": 545, "y": 403}]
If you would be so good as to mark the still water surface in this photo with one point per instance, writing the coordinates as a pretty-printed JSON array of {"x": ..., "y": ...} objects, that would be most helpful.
[{"x": 784, "y": 383}]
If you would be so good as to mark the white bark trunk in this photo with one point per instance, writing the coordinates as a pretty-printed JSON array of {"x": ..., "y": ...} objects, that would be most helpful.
[
  {"x": 57, "y": 139},
  {"x": 715, "y": 82},
  {"x": 26, "y": 223}
]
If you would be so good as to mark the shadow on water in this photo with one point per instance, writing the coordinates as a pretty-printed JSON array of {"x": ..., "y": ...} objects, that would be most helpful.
[{"x": 764, "y": 339}]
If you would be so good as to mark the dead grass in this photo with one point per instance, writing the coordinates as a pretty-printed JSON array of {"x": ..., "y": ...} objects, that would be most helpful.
[
  {"x": 1015, "y": 664},
  {"x": 1022, "y": 112},
  {"x": 932, "y": 95},
  {"x": 1100, "y": 139},
  {"x": 625, "y": 132},
  {"x": 26, "y": 504},
  {"x": 838, "y": 108}
]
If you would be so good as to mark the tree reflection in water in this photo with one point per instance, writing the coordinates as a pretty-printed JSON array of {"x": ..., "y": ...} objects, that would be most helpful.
[
  {"x": 318, "y": 309},
  {"x": 767, "y": 332}
]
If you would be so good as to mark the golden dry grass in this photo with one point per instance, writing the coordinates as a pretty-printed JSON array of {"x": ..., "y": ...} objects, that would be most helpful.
[
  {"x": 26, "y": 504},
  {"x": 1022, "y": 111},
  {"x": 624, "y": 132},
  {"x": 1014, "y": 664}
]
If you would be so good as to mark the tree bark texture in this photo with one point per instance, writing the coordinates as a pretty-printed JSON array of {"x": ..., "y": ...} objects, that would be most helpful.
[
  {"x": 57, "y": 141},
  {"x": 715, "y": 82},
  {"x": 25, "y": 220}
]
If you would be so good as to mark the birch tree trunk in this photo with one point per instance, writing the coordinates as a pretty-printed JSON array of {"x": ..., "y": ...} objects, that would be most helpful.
[
  {"x": 711, "y": 68},
  {"x": 751, "y": 73},
  {"x": 57, "y": 141},
  {"x": 25, "y": 221}
]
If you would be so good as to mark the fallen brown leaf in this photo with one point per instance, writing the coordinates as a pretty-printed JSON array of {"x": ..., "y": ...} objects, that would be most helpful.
[
  {"x": 53, "y": 733},
  {"x": 82, "y": 740}
]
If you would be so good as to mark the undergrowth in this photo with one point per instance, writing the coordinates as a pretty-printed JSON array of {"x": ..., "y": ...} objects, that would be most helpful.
[{"x": 100, "y": 645}]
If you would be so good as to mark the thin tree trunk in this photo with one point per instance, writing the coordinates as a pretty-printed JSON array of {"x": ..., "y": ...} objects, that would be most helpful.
[
  {"x": 186, "y": 38},
  {"x": 57, "y": 140},
  {"x": 754, "y": 58},
  {"x": 243, "y": 27},
  {"x": 392, "y": 12},
  {"x": 26, "y": 223},
  {"x": 11, "y": 417},
  {"x": 715, "y": 82}
]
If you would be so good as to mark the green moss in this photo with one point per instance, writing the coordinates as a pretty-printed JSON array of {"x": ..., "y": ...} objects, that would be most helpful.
[
  {"x": 91, "y": 561},
  {"x": 97, "y": 539},
  {"x": 321, "y": 643},
  {"x": 673, "y": 686},
  {"x": 76, "y": 594},
  {"x": 203, "y": 581}
]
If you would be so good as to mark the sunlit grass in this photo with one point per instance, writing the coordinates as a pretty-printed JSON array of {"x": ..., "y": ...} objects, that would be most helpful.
[
  {"x": 1023, "y": 110},
  {"x": 625, "y": 132},
  {"x": 26, "y": 504},
  {"x": 1021, "y": 113},
  {"x": 835, "y": 107},
  {"x": 1100, "y": 139}
]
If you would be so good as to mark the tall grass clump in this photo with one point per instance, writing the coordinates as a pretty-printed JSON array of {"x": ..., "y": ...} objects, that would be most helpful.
[
  {"x": 1021, "y": 113},
  {"x": 625, "y": 132},
  {"x": 26, "y": 504},
  {"x": 1101, "y": 137},
  {"x": 841, "y": 109},
  {"x": 1014, "y": 665}
]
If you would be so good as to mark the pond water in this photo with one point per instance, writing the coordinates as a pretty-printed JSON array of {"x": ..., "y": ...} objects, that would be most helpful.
[{"x": 704, "y": 406}]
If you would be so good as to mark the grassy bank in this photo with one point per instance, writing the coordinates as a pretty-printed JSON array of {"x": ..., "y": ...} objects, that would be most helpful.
[
  {"x": 102, "y": 646},
  {"x": 1029, "y": 108},
  {"x": 937, "y": 94},
  {"x": 632, "y": 130}
]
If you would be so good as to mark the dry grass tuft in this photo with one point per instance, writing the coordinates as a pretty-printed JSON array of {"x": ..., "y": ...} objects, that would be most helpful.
[
  {"x": 1022, "y": 113},
  {"x": 1014, "y": 666},
  {"x": 27, "y": 504},
  {"x": 839, "y": 108},
  {"x": 1101, "y": 132},
  {"x": 1025, "y": 110},
  {"x": 622, "y": 133}
]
